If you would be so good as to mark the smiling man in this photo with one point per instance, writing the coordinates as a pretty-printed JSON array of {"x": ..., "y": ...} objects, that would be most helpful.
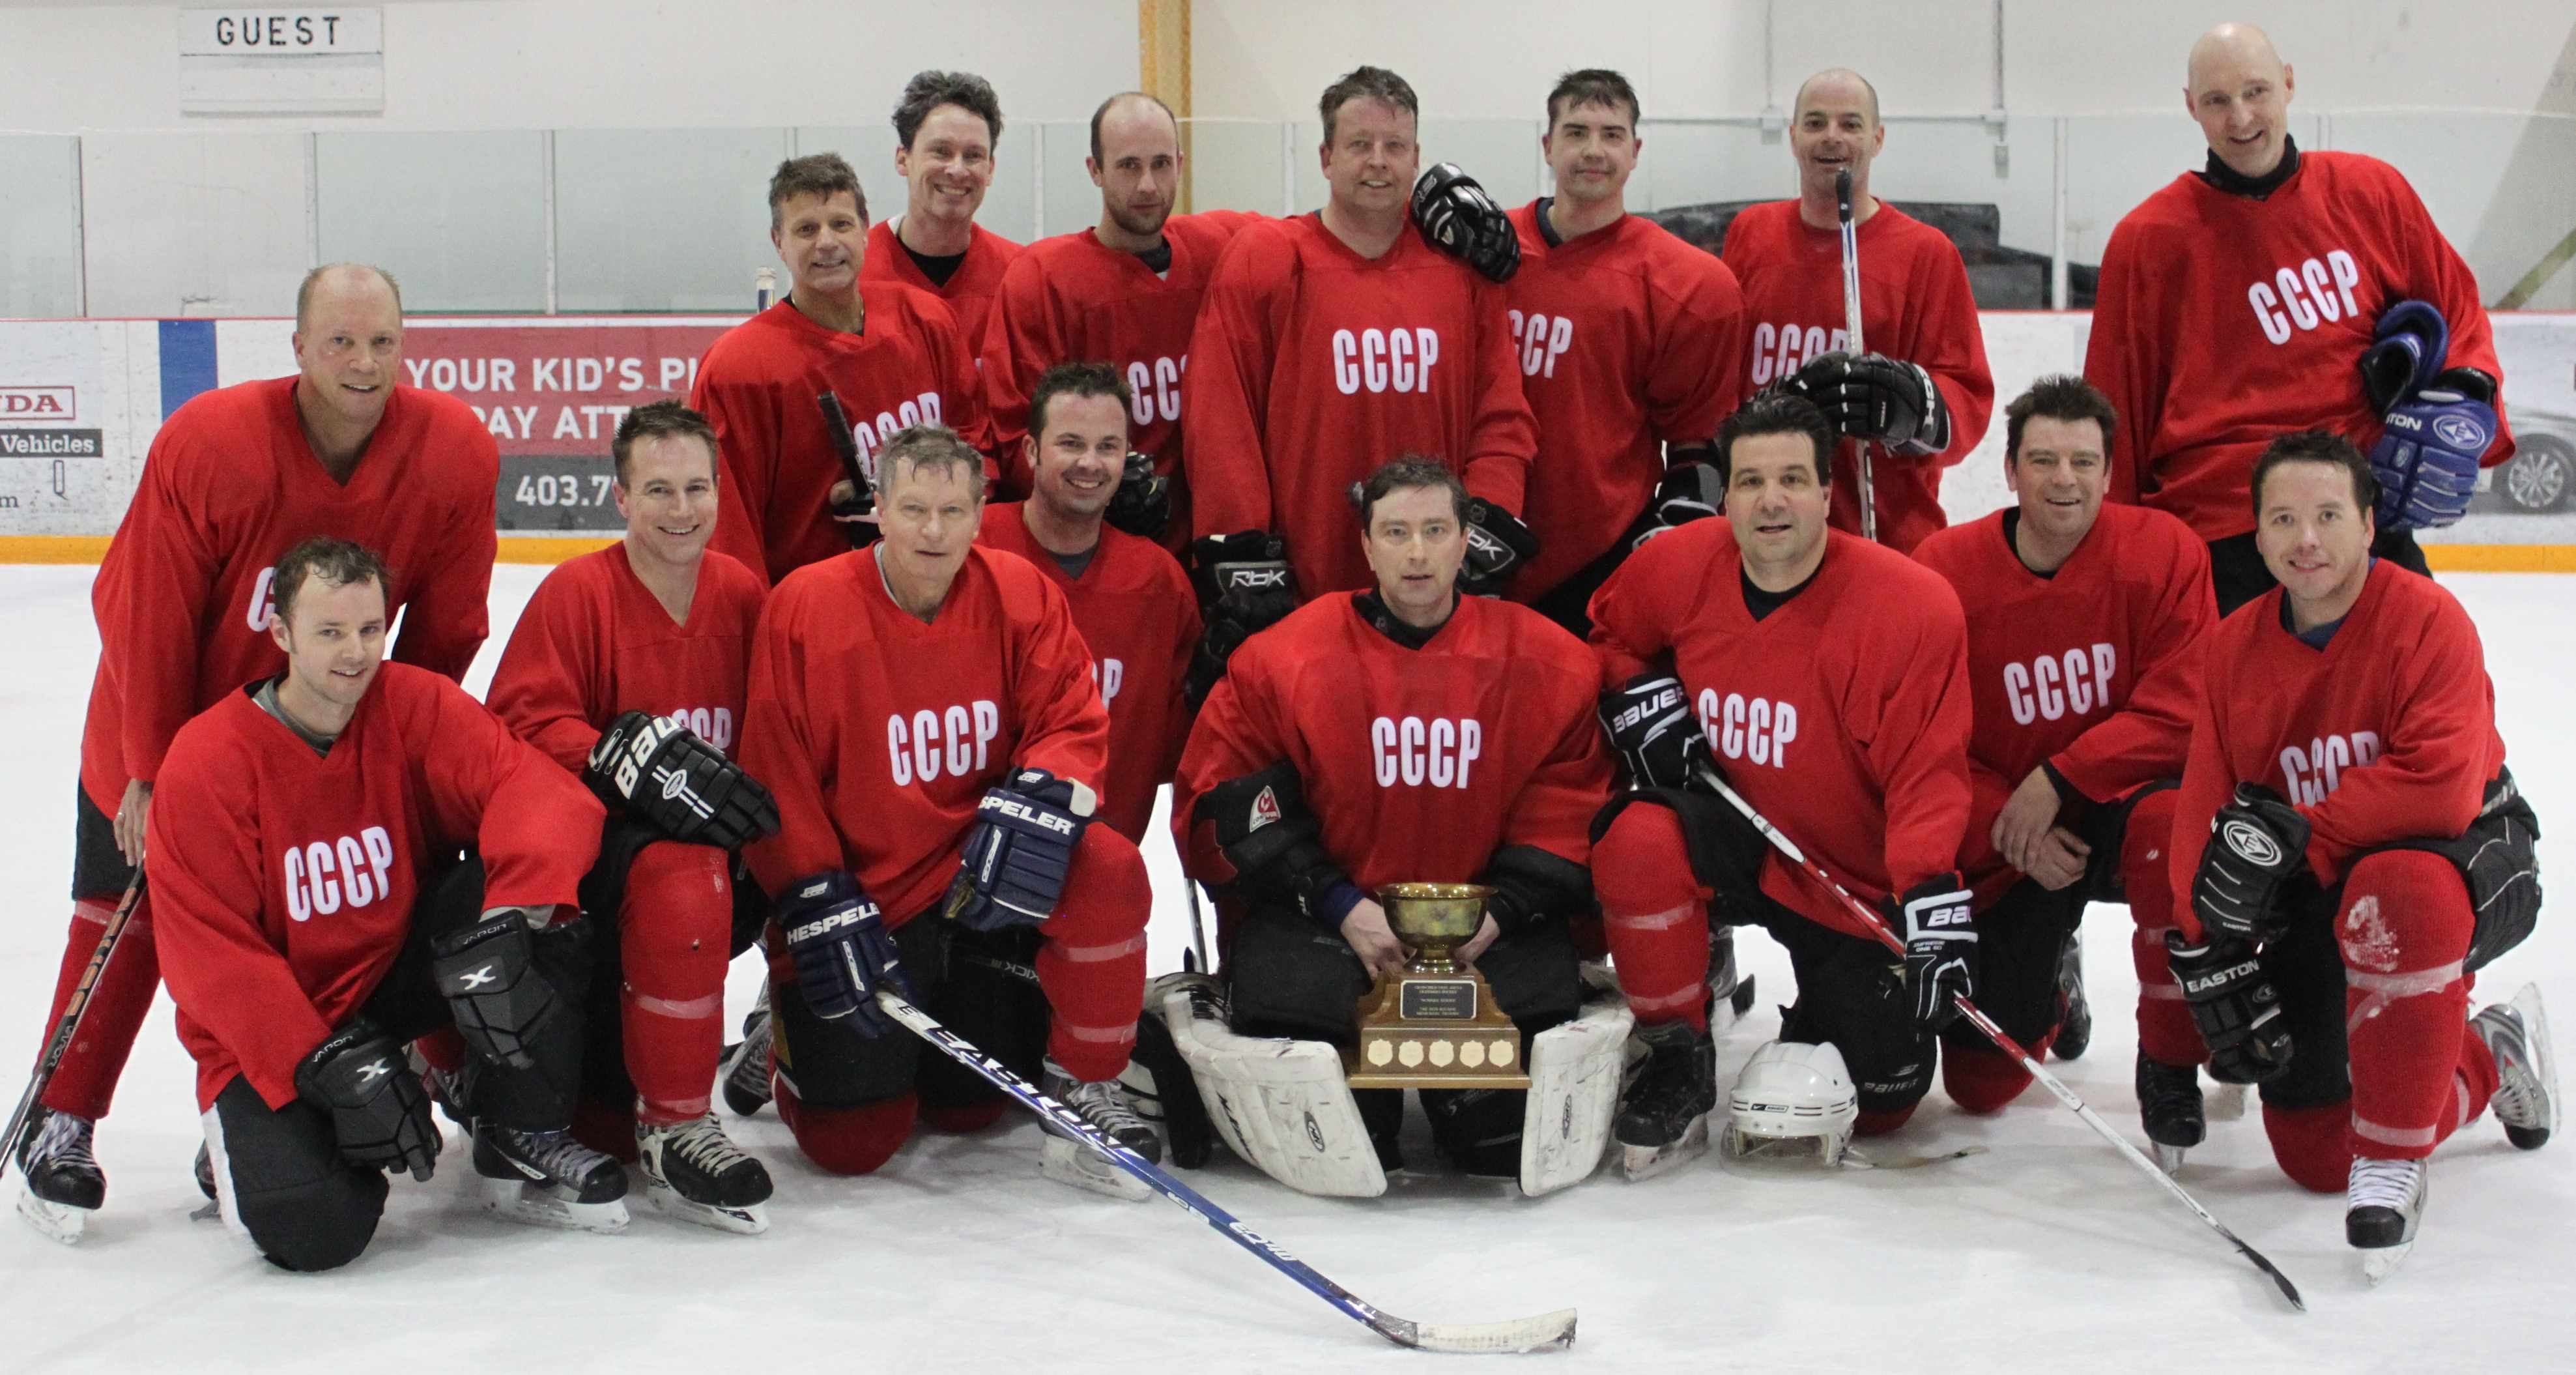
[
  {"x": 946, "y": 128},
  {"x": 233, "y": 478}
]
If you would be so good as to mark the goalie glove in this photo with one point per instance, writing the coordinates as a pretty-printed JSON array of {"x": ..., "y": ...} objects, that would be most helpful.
[
  {"x": 1020, "y": 851},
  {"x": 1458, "y": 218},
  {"x": 1142, "y": 505},
  {"x": 1877, "y": 399},
  {"x": 1497, "y": 545},
  {"x": 661, "y": 774}
]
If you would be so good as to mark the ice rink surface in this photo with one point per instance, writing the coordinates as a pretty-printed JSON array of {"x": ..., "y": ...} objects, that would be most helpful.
[{"x": 2045, "y": 1253}]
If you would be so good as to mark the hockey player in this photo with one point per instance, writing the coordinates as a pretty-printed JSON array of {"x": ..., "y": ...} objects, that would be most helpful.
[
  {"x": 1331, "y": 342},
  {"x": 2085, "y": 630},
  {"x": 234, "y": 477},
  {"x": 1831, "y": 677},
  {"x": 627, "y": 668},
  {"x": 314, "y": 917},
  {"x": 1125, "y": 291},
  {"x": 2277, "y": 290},
  {"x": 946, "y": 128},
  {"x": 924, "y": 711},
  {"x": 1922, "y": 394},
  {"x": 891, "y": 354},
  {"x": 2355, "y": 850},
  {"x": 1129, "y": 599},
  {"x": 1402, "y": 734},
  {"x": 1630, "y": 352}
]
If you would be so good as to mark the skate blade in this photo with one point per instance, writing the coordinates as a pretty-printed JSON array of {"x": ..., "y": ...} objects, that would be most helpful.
[
  {"x": 2544, "y": 1067},
  {"x": 58, "y": 1221},
  {"x": 209, "y": 1211},
  {"x": 1642, "y": 1163},
  {"x": 2379, "y": 1262},
  {"x": 750, "y": 1220},
  {"x": 1066, "y": 1163},
  {"x": 2227, "y": 1104},
  {"x": 539, "y": 1206},
  {"x": 2168, "y": 1158}
]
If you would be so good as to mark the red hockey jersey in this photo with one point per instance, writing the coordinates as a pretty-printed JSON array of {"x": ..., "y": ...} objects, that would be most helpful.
[
  {"x": 1312, "y": 365},
  {"x": 593, "y": 644},
  {"x": 1914, "y": 304},
  {"x": 1843, "y": 716},
  {"x": 182, "y": 598},
  {"x": 2092, "y": 670},
  {"x": 1136, "y": 613},
  {"x": 758, "y": 386},
  {"x": 1420, "y": 762},
  {"x": 283, "y": 880},
  {"x": 2388, "y": 733},
  {"x": 1629, "y": 339},
  {"x": 970, "y": 290},
  {"x": 2223, "y": 322},
  {"x": 879, "y": 733}
]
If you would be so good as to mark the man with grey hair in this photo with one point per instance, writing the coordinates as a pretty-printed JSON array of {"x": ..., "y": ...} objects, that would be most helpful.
[
  {"x": 234, "y": 478},
  {"x": 946, "y": 127}
]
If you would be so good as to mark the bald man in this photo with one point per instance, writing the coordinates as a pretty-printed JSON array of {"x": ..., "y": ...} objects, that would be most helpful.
[
  {"x": 2277, "y": 290},
  {"x": 234, "y": 478},
  {"x": 1920, "y": 397},
  {"x": 1124, "y": 292}
]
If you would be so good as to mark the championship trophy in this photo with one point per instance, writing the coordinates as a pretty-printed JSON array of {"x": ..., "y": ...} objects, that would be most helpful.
[{"x": 1432, "y": 1024}]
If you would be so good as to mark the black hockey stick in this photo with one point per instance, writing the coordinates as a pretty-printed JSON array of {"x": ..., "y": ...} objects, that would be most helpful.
[
  {"x": 1544, "y": 1332},
  {"x": 1877, "y": 927},
  {"x": 69, "y": 1023},
  {"x": 845, "y": 447}
]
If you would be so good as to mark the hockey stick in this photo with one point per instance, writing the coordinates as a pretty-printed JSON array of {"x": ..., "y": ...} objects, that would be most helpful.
[
  {"x": 845, "y": 446},
  {"x": 1877, "y": 927},
  {"x": 68, "y": 1024},
  {"x": 1541, "y": 1333},
  {"x": 1851, "y": 330},
  {"x": 1198, "y": 930}
]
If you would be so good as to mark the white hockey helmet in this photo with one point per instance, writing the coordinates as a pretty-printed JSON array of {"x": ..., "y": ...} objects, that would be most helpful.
[{"x": 1791, "y": 1095}]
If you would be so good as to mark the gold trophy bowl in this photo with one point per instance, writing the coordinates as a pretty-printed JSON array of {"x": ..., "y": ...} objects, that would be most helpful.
[{"x": 1433, "y": 1023}]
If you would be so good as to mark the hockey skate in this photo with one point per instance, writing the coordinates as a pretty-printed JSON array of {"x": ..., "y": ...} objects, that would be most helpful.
[
  {"x": 1728, "y": 986},
  {"x": 2169, "y": 1102},
  {"x": 2526, "y": 1096},
  {"x": 1104, "y": 1105},
  {"x": 1663, "y": 1119},
  {"x": 213, "y": 1208},
  {"x": 745, "y": 1067},
  {"x": 2382, "y": 1205},
  {"x": 693, "y": 1172},
  {"x": 548, "y": 1179},
  {"x": 62, "y": 1184},
  {"x": 2075, "y": 1019}
]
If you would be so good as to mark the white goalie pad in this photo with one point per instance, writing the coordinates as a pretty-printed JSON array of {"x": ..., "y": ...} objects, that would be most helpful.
[
  {"x": 1282, "y": 1106},
  {"x": 1575, "y": 1071}
]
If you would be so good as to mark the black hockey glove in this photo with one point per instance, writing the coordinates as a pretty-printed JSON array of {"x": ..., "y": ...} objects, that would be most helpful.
[
  {"x": 1531, "y": 885},
  {"x": 1654, "y": 731},
  {"x": 1940, "y": 947},
  {"x": 489, "y": 973},
  {"x": 1244, "y": 587},
  {"x": 2257, "y": 844},
  {"x": 1271, "y": 842},
  {"x": 664, "y": 775},
  {"x": 2235, "y": 1006},
  {"x": 853, "y": 509},
  {"x": 379, "y": 1112},
  {"x": 1877, "y": 398},
  {"x": 1689, "y": 491},
  {"x": 1458, "y": 218},
  {"x": 1497, "y": 545},
  {"x": 1020, "y": 851},
  {"x": 1142, "y": 505},
  {"x": 2410, "y": 345},
  {"x": 842, "y": 951}
]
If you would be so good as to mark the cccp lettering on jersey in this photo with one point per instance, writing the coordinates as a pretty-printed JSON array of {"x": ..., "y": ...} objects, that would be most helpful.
[
  {"x": 1783, "y": 348},
  {"x": 1756, "y": 730},
  {"x": 2051, "y": 686},
  {"x": 1108, "y": 675},
  {"x": 261, "y": 603},
  {"x": 2311, "y": 773},
  {"x": 2296, "y": 299},
  {"x": 1384, "y": 360},
  {"x": 1543, "y": 340},
  {"x": 711, "y": 724},
  {"x": 935, "y": 743},
  {"x": 872, "y": 434},
  {"x": 1439, "y": 751},
  {"x": 1156, "y": 386},
  {"x": 326, "y": 875}
]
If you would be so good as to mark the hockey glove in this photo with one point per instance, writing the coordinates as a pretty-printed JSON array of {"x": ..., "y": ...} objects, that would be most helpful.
[
  {"x": 1689, "y": 491},
  {"x": 669, "y": 778},
  {"x": 2427, "y": 456},
  {"x": 1940, "y": 947},
  {"x": 2235, "y": 1006},
  {"x": 2257, "y": 844},
  {"x": 1244, "y": 587},
  {"x": 379, "y": 1112},
  {"x": 842, "y": 951},
  {"x": 1497, "y": 545},
  {"x": 1654, "y": 731},
  {"x": 494, "y": 991},
  {"x": 1266, "y": 844},
  {"x": 1458, "y": 218},
  {"x": 853, "y": 500},
  {"x": 1020, "y": 851},
  {"x": 1142, "y": 505},
  {"x": 2409, "y": 348},
  {"x": 1877, "y": 398}
]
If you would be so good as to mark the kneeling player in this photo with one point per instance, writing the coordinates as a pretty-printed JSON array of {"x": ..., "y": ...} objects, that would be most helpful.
[
  {"x": 2355, "y": 850},
  {"x": 2085, "y": 629},
  {"x": 924, "y": 711},
  {"x": 627, "y": 668},
  {"x": 1832, "y": 675},
  {"x": 1404, "y": 734},
  {"x": 313, "y": 918}
]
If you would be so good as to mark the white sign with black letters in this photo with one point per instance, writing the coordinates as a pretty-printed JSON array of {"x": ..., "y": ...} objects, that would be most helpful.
[{"x": 299, "y": 61}]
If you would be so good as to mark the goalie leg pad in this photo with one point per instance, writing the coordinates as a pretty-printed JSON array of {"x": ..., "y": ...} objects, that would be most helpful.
[
  {"x": 1574, "y": 1090},
  {"x": 1282, "y": 1106}
]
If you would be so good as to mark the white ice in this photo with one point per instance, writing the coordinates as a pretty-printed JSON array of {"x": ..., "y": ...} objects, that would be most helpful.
[{"x": 2047, "y": 1252}]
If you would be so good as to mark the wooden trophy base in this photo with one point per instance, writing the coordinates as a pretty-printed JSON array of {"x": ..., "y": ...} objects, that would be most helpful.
[{"x": 1435, "y": 1031}]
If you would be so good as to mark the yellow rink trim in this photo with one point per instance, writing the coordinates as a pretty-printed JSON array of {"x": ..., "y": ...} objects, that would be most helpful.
[
  {"x": 545, "y": 549},
  {"x": 2501, "y": 558}
]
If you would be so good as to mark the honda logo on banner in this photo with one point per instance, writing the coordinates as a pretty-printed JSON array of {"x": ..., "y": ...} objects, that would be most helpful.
[{"x": 38, "y": 405}]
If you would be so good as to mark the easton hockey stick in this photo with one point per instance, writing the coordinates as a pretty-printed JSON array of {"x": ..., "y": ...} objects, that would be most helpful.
[
  {"x": 1544, "y": 1332},
  {"x": 1877, "y": 927},
  {"x": 1851, "y": 328},
  {"x": 68, "y": 1024}
]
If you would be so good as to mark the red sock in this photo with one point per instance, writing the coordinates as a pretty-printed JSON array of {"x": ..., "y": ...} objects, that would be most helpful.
[
  {"x": 847, "y": 1140},
  {"x": 1982, "y": 1079},
  {"x": 2311, "y": 1144},
  {"x": 86, "y": 1079},
  {"x": 1092, "y": 962},
  {"x": 1655, "y": 915},
  {"x": 2404, "y": 927},
  {"x": 2165, "y": 1030},
  {"x": 672, "y": 934}
]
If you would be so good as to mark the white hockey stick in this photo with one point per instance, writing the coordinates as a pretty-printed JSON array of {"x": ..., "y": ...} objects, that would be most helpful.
[{"x": 1852, "y": 342}]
